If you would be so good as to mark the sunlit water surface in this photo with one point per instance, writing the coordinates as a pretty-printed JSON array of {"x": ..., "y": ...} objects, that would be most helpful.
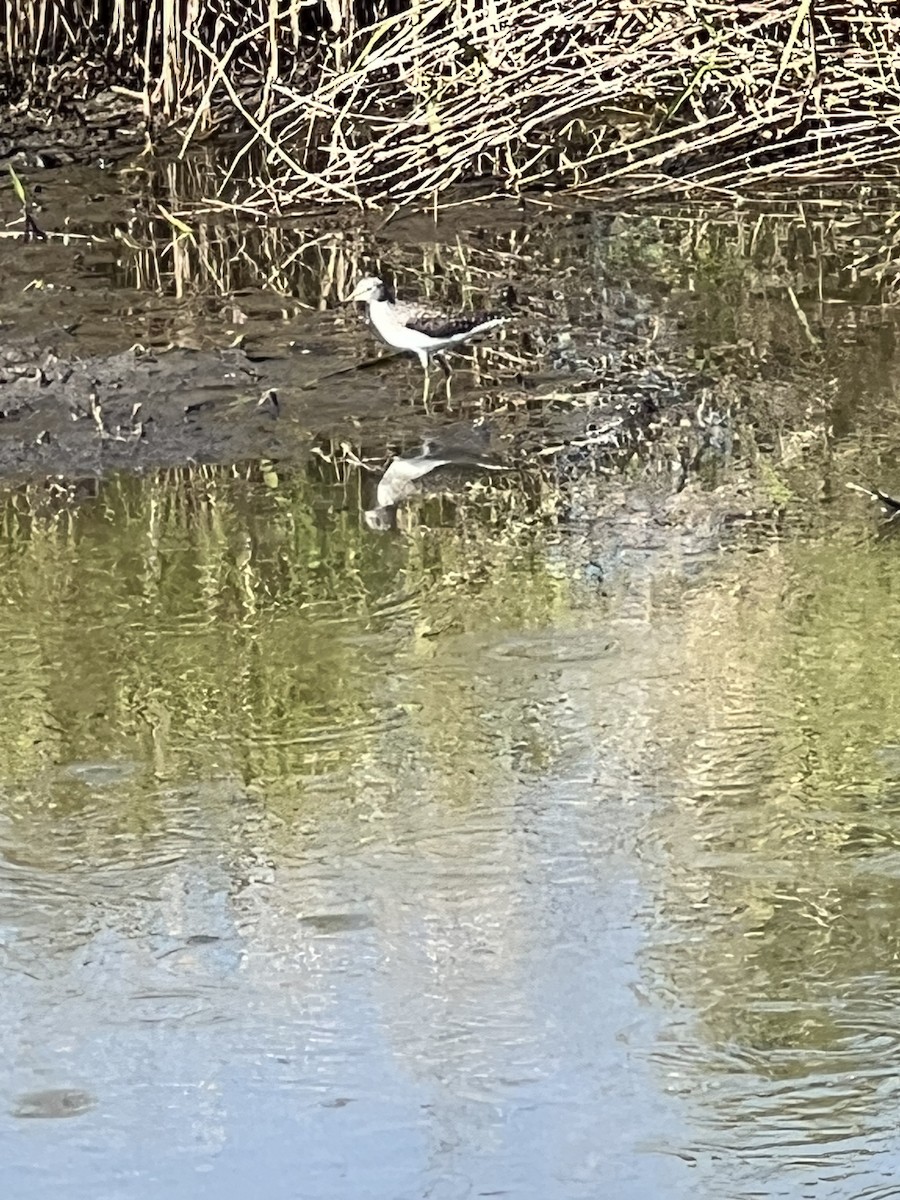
[{"x": 339, "y": 866}]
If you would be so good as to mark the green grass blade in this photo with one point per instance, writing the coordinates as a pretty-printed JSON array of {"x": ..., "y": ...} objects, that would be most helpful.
[{"x": 18, "y": 185}]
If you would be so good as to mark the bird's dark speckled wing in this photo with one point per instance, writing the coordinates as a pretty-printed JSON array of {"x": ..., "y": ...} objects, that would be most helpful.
[{"x": 442, "y": 325}]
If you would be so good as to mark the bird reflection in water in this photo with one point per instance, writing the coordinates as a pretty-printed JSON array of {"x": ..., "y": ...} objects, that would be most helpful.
[{"x": 411, "y": 475}]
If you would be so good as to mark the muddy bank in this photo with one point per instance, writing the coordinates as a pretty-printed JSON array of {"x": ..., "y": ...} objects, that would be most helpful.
[
  {"x": 51, "y": 131},
  {"x": 65, "y": 415},
  {"x": 98, "y": 373},
  {"x": 688, "y": 354}
]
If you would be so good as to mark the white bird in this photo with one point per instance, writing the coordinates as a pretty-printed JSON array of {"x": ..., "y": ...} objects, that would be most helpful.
[{"x": 425, "y": 332}]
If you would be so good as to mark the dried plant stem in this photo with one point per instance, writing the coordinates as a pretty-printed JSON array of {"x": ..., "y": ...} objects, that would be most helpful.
[{"x": 350, "y": 104}]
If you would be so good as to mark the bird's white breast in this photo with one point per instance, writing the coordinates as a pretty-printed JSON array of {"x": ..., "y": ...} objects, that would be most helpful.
[{"x": 394, "y": 332}]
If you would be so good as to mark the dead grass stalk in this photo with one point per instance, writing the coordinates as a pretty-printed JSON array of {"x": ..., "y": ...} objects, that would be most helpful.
[{"x": 371, "y": 102}]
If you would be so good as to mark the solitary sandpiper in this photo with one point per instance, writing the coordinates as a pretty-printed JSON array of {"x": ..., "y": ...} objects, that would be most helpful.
[{"x": 426, "y": 332}]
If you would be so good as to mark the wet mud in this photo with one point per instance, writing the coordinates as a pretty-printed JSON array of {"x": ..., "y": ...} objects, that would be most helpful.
[
  {"x": 63, "y": 414},
  {"x": 50, "y": 131},
  {"x": 71, "y": 416},
  {"x": 630, "y": 353}
]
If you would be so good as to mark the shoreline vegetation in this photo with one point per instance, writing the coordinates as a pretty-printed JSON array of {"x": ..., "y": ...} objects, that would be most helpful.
[{"x": 375, "y": 104}]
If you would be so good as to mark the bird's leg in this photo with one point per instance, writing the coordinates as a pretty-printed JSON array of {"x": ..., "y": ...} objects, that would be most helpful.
[
  {"x": 425, "y": 363},
  {"x": 426, "y": 388},
  {"x": 448, "y": 371},
  {"x": 445, "y": 366}
]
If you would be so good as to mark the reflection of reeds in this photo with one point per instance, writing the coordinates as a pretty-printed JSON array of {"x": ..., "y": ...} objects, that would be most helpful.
[
  {"x": 218, "y": 599},
  {"x": 346, "y": 103},
  {"x": 818, "y": 250}
]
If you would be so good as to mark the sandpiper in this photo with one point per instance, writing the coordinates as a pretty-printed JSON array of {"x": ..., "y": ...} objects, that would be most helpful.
[{"x": 426, "y": 332}]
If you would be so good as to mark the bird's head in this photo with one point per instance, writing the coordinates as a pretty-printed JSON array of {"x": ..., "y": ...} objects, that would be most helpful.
[{"x": 370, "y": 287}]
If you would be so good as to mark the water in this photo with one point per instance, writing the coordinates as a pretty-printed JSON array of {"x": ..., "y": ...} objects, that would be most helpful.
[
  {"x": 548, "y": 848},
  {"x": 577, "y": 891}
]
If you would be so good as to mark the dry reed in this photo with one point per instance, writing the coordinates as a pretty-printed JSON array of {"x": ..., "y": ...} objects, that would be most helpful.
[{"x": 372, "y": 103}]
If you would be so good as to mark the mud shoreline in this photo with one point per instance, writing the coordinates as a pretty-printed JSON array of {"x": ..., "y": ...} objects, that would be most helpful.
[
  {"x": 631, "y": 352},
  {"x": 63, "y": 414}
]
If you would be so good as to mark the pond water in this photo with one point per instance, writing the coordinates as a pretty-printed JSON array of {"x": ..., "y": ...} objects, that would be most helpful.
[{"x": 542, "y": 849}]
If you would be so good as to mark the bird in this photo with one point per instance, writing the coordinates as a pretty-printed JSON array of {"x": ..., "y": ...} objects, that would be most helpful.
[
  {"x": 425, "y": 332},
  {"x": 405, "y": 473}
]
